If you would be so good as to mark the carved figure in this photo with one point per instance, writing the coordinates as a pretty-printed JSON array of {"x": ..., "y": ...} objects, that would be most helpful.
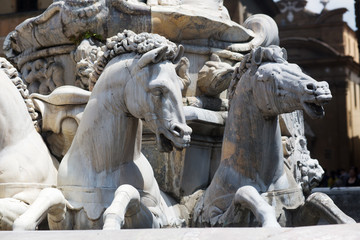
[
  {"x": 66, "y": 22},
  {"x": 251, "y": 175},
  {"x": 215, "y": 76},
  {"x": 134, "y": 77},
  {"x": 26, "y": 166},
  {"x": 307, "y": 171},
  {"x": 43, "y": 75},
  {"x": 61, "y": 112},
  {"x": 137, "y": 80},
  {"x": 106, "y": 17},
  {"x": 310, "y": 174},
  {"x": 85, "y": 56}
]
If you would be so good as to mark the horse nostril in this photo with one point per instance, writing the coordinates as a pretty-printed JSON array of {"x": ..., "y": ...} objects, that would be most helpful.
[
  {"x": 310, "y": 86},
  {"x": 177, "y": 131}
]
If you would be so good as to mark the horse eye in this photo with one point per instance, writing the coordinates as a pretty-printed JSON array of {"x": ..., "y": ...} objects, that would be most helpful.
[{"x": 156, "y": 92}]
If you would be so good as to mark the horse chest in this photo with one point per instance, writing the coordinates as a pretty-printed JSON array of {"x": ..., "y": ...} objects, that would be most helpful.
[{"x": 137, "y": 173}]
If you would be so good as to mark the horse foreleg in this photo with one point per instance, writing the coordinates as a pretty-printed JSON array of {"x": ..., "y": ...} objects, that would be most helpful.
[
  {"x": 127, "y": 211},
  {"x": 50, "y": 201},
  {"x": 319, "y": 205},
  {"x": 127, "y": 198},
  {"x": 10, "y": 210},
  {"x": 249, "y": 197}
]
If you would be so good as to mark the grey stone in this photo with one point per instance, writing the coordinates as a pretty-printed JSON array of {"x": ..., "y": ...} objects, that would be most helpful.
[{"x": 348, "y": 231}]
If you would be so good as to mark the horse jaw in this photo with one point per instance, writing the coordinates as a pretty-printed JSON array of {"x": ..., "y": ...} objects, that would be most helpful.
[
  {"x": 177, "y": 136},
  {"x": 314, "y": 110},
  {"x": 317, "y": 96},
  {"x": 163, "y": 144}
]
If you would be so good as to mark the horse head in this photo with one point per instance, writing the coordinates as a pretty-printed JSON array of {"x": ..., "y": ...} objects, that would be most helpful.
[
  {"x": 155, "y": 96},
  {"x": 281, "y": 87}
]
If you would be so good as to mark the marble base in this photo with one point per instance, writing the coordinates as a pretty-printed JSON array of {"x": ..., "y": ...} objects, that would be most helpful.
[{"x": 349, "y": 232}]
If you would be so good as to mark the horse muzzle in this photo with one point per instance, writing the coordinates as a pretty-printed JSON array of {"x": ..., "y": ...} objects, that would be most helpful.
[
  {"x": 178, "y": 136},
  {"x": 317, "y": 94}
]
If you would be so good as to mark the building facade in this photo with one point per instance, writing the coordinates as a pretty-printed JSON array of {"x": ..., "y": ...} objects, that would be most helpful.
[
  {"x": 327, "y": 49},
  {"x": 240, "y": 10}
]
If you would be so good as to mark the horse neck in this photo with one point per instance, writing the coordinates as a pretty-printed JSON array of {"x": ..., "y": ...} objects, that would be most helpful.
[
  {"x": 131, "y": 139},
  {"x": 252, "y": 143},
  {"x": 127, "y": 141},
  {"x": 15, "y": 121},
  {"x": 122, "y": 132},
  {"x": 132, "y": 133}
]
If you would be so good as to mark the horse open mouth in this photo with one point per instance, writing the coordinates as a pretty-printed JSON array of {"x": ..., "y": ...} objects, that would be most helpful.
[
  {"x": 314, "y": 110},
  {"x": 166, "y": 144},
  {"x": 167, "y": 140}
]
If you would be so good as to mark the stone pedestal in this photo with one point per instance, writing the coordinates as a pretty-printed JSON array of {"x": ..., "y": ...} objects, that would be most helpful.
[{"x": 348, "y": 232}]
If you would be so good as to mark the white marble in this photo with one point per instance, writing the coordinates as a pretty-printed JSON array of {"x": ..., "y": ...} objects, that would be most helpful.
[
  {"x": 105, "y": 159},
  {"x": 252, "y": 175},
  {"x": 26, "y": 166},
  {"x": 122, "y": 78},
  {"x": 348, "y": 231},
  {"x": 61, "y": 113}
]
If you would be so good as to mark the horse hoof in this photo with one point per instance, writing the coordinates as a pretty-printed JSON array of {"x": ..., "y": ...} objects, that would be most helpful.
[
  {"x": 22, "y": 225},
  {"x": 271, "y": 224},
  {"x": 112, "y": 222}
]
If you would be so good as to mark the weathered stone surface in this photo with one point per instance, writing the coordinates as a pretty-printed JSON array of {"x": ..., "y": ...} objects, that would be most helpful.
[
  {"x": 26, "y": 166},
  {"x": 104, "y": 168},
  {"x": 104, "y": 179},
  {"x": 65, "y": 21},
  {"x": 348, "y": 231},
  {"x": 346, "y": 198},
  {"x": 252, "y": 175},
  {"x": 61, "y": 113}
]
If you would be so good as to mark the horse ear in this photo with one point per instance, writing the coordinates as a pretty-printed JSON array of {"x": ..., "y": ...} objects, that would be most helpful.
[
  {"x": 153, "y": 56},
  {"x": 285, "y": 56},
  {"x": 257, "y": 55},
  {"x": 182, "y": 70},
  {"x": 179, "y": 54}
]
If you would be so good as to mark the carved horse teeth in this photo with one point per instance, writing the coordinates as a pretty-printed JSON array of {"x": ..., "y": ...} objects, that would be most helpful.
[{"x": 318, "y": 109}]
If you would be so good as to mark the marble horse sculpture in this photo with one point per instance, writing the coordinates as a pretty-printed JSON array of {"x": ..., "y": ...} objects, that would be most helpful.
[
  {"x": 251, "y": 175},
  {"x": 136, "y": 80},
  {"x": 26, "y": 166}
]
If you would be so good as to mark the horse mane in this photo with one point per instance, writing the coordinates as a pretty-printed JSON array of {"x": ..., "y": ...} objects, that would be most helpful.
[
  {"x": 252, "y": 62},
  {"x": 130, "y": 42},
  {"x": 14, "y": 76}
]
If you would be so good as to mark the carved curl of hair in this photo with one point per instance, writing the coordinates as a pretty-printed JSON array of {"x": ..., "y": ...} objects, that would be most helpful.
[
  {"x": 253, "y": 60},
  {"x": 128, "y": 42},
  {"x": 14, "y": 76}
]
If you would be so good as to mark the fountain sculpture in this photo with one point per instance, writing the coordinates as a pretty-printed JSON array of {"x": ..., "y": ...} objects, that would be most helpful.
[{"x": 97, "y": 71}]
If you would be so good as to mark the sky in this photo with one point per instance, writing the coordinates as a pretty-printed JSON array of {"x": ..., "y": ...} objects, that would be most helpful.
[{"x": 349, "y": 16}]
